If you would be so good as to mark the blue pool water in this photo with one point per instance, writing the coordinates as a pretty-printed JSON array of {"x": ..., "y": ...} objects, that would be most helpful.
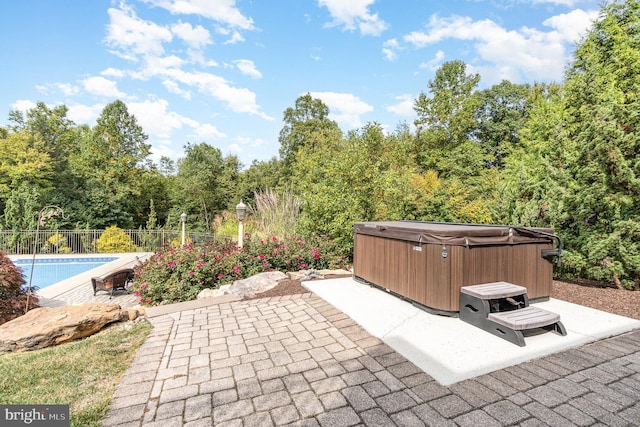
[{"x": 48, "y": 271}]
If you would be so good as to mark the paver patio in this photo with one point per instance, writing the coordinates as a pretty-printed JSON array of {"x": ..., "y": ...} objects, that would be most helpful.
[{"x": 297, "y": 360}]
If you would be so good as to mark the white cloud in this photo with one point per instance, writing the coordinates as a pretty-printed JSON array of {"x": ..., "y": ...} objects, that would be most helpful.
[
  {"x": 161, "y": 124},
  {"x": 569, "y": 3},
  {"x": 158, "y": 66},
  {"x": 195, "y": 37},
  {"x": 113, "y": 72},
  {"x": 173, "y": 87},
  {"x": 389, "y": 49},
  {"x": 573, "y": 25},
  {"x": 23, "y": 105},
  {"x": 206, "y": 131},
  {"x": 435, "y": 62},
  {"x": 154, "y": 118},
  {"x": 85, "y": 114},
  {"x": 102, "y": 87},
  {"x": 345, "y": 108},
  {"x": 162, "y": 148},
  {"x": 404, "y": 107},
  {"x": 67, "y": 89},
  {"x": 131, "y": 36},
  {"x": 223, "y": 11},
  {"x": 526, "y": 53},
  {"x": 354, "y": 14},
  {"x": 236, "y": 37},
  {"x": 239, "y": 100},
  {"x": 247, "y": 67}
]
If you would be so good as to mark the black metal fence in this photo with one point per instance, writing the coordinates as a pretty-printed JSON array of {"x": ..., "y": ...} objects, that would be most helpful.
[{"x": 97, "y": 241}]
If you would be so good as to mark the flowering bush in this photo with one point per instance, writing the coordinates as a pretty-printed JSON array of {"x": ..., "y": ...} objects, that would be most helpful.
[{"x": 179, "y": 274}]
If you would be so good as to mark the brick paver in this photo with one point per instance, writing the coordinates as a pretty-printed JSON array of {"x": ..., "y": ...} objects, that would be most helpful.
[{"x": 298, "y": 360}]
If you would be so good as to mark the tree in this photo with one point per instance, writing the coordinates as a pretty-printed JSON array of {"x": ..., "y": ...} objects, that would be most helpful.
[
  {"x": 446, "y": 117},
  {"x": 501, "y": 113},
  {"x": 262, "y": 175},
  {"x": 535, "y": 178},
  {"x": 206, "y": 184},
  {"x": 306, "y": 127},
  {"x": 602, "y": 90},
  {"x": 111, "y": 160},
  {"x": 24, "y": 162}
]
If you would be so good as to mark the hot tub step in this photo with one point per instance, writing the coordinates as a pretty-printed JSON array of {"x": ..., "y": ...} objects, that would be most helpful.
[
  {"x": 525, "y": 318},
  {"x": 503, "y": 309}
]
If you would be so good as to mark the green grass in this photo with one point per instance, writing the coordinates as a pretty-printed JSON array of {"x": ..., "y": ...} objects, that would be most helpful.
[{"x": 83, "y": 374}]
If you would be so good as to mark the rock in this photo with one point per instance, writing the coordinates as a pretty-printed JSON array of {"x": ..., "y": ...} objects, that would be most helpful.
[
  {"x": 130, "y": 314},
  {"x": 304, "y": 275},
  {"x": 212, "y": 293},
  {"x": 47, "y": 326},
  {"x": 312, "y": 274},
  {"x": 256, "y": 284}
]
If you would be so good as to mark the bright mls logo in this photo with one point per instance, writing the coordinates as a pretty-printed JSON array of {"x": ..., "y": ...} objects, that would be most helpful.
[{"x": 35, "y": 415}]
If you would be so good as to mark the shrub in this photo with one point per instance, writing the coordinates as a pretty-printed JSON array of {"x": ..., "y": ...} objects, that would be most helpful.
[
  {"x": 59, "y": 244},
  {"x": 179, "y": 274},
  {"x": 115, "y": 240},
  {"x": 13, "y": 297}
]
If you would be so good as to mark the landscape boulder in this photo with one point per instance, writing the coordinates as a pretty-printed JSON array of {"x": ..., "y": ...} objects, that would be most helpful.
[
  {"x": 256, "y": 284},
  {"x": 47, "y": 326}
]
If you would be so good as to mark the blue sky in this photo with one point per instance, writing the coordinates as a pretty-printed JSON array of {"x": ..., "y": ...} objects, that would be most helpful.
[{"x": 224, "y": 71}]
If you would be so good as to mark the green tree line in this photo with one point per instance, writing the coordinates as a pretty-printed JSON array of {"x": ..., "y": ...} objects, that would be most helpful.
[{"x": 560, "y": 155}]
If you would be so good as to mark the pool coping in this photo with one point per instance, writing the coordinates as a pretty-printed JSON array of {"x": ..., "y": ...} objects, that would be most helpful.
[{"x": 123, "y": 260}]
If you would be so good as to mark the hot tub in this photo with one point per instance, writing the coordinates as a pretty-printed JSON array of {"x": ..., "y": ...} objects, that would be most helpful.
[{"x": 427, "y": 263}]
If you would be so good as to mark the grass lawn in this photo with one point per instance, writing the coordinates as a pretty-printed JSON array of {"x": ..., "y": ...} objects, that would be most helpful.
[{"x": 83, "y": 374}]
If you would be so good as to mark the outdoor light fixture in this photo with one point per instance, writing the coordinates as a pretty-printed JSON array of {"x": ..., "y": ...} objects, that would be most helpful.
[
  {"x": 241, "y": 211},
  {"x": 183, "y": 217}
]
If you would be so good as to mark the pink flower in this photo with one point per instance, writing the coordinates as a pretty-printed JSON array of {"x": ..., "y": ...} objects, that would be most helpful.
[
  {"x": 265, "y": 264},
  {"x": 275, "y": 239},
  {"x": 191, "y": 273},
  {"x": 137, "y": 293},
  {"x": 219, "y": 275},
  {"x": 144, "y": 285},
  {"x": 303, "y": 266},
  {"x": 261, "y": 256}
]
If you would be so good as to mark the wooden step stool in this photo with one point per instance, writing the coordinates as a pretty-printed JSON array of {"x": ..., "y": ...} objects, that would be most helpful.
[{"x": 503, "y": 309}]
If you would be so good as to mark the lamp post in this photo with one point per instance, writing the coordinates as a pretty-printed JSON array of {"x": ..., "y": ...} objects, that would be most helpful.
[
  {"x": 183, "y": 217},
  {"x": 241, "y": 211}
]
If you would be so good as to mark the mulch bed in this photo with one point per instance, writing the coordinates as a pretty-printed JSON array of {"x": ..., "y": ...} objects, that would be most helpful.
[
  {"x": 611, "y": 300},
  {"x": 290, "y": 287}
]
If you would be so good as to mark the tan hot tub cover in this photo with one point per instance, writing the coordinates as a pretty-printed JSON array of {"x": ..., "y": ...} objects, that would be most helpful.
[{"x": 454, "y": 234}]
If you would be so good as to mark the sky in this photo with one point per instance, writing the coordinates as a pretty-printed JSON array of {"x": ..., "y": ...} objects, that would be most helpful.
[{"x": 223, "y": 72}]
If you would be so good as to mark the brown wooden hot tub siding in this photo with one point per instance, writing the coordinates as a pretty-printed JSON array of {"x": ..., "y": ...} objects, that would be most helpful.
[{"x": 434, "y": 281}]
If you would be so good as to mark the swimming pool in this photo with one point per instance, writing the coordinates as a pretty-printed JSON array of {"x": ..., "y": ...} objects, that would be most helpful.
[{"x": 48, "y": 271}]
